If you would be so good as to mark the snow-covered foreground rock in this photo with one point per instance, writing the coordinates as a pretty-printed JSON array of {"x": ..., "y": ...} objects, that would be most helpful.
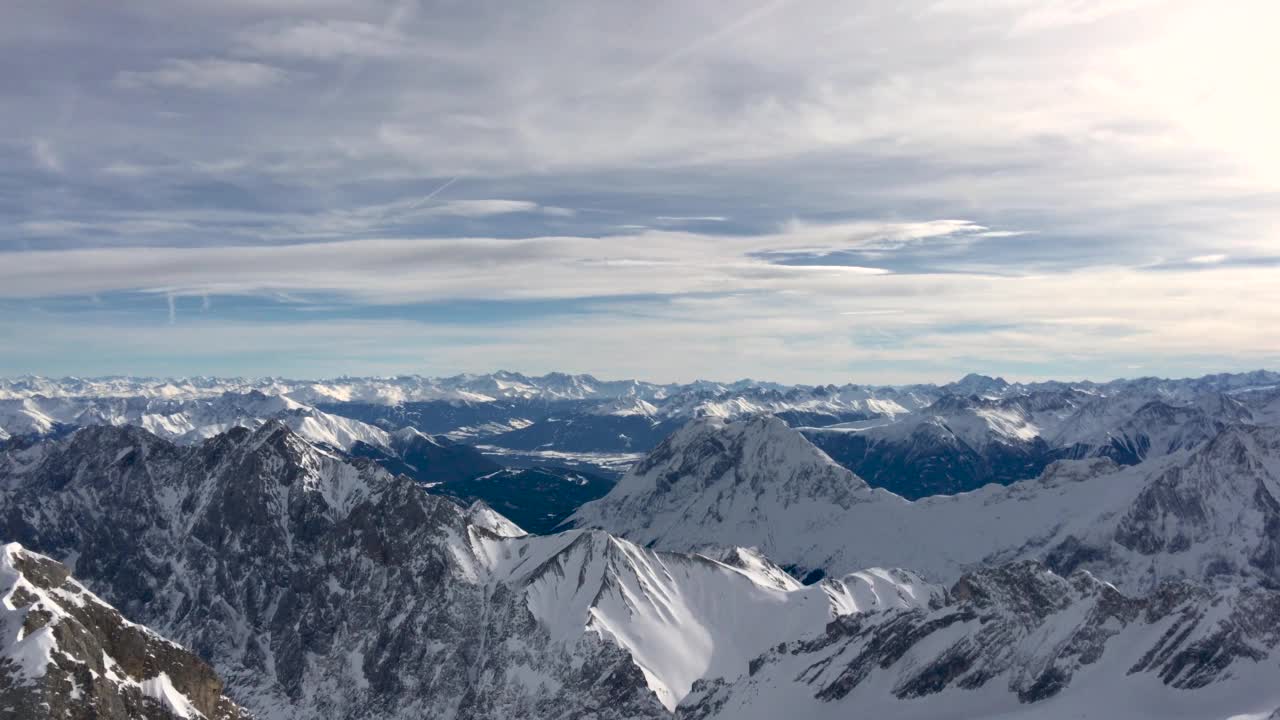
[
  {"x": 321, "y": 587},
  {"x": 64, "y": 653},
  {"x": 1197, "y": 514}
]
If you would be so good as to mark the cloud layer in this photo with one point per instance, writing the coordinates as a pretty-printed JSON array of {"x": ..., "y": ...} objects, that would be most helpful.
[{"x": 805, "y": 189}]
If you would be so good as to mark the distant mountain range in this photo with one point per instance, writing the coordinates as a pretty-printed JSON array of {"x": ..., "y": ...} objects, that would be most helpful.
[{"x": 916, "y": 440}]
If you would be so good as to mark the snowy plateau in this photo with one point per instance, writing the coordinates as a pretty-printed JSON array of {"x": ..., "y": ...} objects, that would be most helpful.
[{"x": 497, "y": 546}]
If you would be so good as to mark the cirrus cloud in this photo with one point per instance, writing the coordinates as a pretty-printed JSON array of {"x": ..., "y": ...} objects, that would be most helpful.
[{"x": 203, "y": 74}]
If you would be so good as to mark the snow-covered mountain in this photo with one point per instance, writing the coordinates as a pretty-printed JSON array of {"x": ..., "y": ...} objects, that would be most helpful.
[
  {"x": 756, "y": 396},
  {"x": 916, "y": 440},
  {"x": 1020, "y": 642},
  {"x": 954, "y": 444},
  {"x": 1196, "y": 514},
  {"x": 184, "y": 421},
  {"x": 1130, "y": 427},
  {"x": 960, "y": 443},
  {"x": 64, "y": 653},
  {"x": 1264, "y": 404},
  {"x": 317, "y": 586},
  {"x": 385, "y": 390},
  {"x": 755, "y": 480}
]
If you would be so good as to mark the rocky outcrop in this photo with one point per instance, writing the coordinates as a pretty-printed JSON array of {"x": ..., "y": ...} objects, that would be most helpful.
[
  {"x": 1216, "y": 515},
  {"x": 67, "y": 654}
]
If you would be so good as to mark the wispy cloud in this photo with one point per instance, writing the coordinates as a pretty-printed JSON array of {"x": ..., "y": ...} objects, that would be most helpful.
[
  {"x": 326, "y": 40},
  {"x": 908, "y": 328},
  {"x": 203, "y": 74},
  {"x": 1208, "y": 259}
]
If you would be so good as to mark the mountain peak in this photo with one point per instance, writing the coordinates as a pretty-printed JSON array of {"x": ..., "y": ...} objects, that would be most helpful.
[
  {"x": 711, "y": 445},
  {"x": 723, "y": 484},
  {"x": 975, "y": 384},
  {"x": 410, "y": 435}
]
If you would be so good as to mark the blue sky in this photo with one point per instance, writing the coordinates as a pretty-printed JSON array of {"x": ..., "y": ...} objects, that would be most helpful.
[{"x": 796, "y": 190}]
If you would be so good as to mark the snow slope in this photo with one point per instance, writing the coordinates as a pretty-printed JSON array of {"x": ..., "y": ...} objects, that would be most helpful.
[{"x": 681, "y": 617}]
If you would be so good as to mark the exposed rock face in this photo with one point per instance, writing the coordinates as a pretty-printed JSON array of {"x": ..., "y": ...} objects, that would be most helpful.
[
  {"x": 66, "y": 654},
  {"x": 1214, "y": 516},
  {"x": 1017, "y": 628}
]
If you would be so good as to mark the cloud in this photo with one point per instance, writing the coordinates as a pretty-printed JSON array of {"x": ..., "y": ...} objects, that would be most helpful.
[
  {"x": 1208, "y": 259},
  {"x": 204, "y": 74},
  {"x": 719, "y": 285},
  {"x": 114, "y": 227},
  {"x": 906, "y": 328},
  {"x": 324, "y": 40},
  {"x": 481, "y": 208},
  {"x": 980, "y": 170},
  {"x": 360, "y": 221},
  {"x": 43, "y": 153},
  {"x": 801, "y": 239},
  {"x": 386, "y": 216},
  {"x": 385, "y": 270}
]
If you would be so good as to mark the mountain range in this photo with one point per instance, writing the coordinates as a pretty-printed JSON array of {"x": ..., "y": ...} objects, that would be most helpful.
[
  {"x": 916, "y": 440},
  {"x": 270, "y": 566}
]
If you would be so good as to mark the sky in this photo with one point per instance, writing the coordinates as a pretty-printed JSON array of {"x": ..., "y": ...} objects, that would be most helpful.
[{"x": 796, "y": 190}]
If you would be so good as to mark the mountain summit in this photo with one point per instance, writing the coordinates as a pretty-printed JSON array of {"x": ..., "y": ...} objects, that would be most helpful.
[{"x": 753, "y": 482}]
